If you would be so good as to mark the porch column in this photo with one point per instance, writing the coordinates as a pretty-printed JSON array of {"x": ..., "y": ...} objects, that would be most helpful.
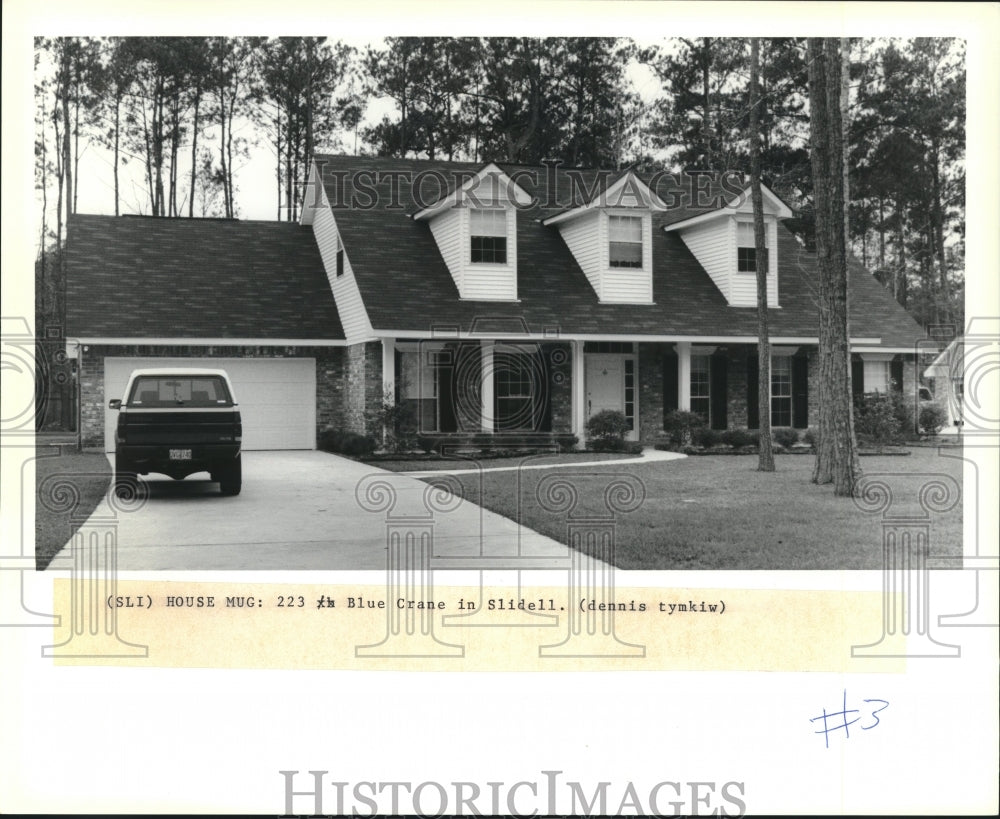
[
  {"x": 684, "y": 375},
  {"x": 388, "y": 366},
  {"x": 579, "y": 393},
  {"x": 486, "y": 387}
]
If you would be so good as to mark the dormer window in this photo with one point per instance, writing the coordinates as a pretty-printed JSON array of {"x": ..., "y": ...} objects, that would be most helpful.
[
  {"x": 488, "y": 231},
  {"x": 625, "y": 241},
  {"x": 746, "y": 248}
]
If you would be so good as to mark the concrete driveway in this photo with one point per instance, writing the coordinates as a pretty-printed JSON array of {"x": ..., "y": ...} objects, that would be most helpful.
[{"x": 303, "y": 510}]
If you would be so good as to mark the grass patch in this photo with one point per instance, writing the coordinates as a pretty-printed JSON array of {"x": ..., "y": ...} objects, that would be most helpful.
[
  {"x": 448, "y": 464},
  {"x": 89, "y": 473},
  {"x": 717, "y": 512}
]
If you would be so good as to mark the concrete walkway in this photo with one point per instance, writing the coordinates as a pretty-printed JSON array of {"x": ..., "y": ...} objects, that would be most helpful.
[
  {"x": 649, "y": 455},
  {"x": 317, "y": 511}
]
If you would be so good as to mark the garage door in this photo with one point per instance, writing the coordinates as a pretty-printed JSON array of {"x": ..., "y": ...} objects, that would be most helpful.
[{"x": 277, "y": 396}]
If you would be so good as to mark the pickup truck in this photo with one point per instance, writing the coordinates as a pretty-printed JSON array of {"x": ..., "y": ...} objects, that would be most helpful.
[{"x": 176, "y": 422}]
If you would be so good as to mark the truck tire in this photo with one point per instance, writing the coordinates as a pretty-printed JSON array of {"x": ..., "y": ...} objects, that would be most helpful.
[
  {"x": 126, "y": 479},
  {"x": 231, "y": 476}
]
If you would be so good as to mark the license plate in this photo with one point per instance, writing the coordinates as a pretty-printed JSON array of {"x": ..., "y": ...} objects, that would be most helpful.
[{"x": 180, "y": 454}]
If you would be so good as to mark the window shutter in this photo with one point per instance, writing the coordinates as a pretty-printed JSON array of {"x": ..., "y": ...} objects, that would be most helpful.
[
  {"x": 800, "y": 392},
  {"x": 718, "y": 373},
  {"x": 753, "y": 374},
  {"x": 857, "y": 378},
  {"x": 896, "y": 373},
  {"x": 670, "y": 397},
  {"x": 446, "y": 392}
]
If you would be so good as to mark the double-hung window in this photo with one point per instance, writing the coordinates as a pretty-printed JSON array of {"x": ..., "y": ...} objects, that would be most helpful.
[
  {"x": 746, "y": 248},
  {"x": 701, "y": 387},
  {"x": 625, "y": 241},
  {"x": 781, "y": 391},
  {"x": 489, "y": 236}
]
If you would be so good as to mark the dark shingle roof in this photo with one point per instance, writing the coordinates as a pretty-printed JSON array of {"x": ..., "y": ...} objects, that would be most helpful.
[
  {"x": 145, "y": 277},
  {"x": 406, "y": 285}
]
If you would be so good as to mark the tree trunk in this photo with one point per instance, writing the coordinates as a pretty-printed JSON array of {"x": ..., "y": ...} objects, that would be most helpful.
[
  {"x": 836, "y": 453},
  {"x": 118, "y": 105},
  {"x": 194, "y": 154},
  {"x": 938, "y": 219},
  {"x": 706, "y": 92},
  {"x": 765, "y": 458}
]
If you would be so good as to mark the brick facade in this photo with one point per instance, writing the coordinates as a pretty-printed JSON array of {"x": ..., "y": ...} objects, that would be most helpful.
[
  {"x": 559, "y": 360},
  {"x": 330, "y": 368},
  {"x": 363, "y": 388},
  {"x": 650, "y": 383}
]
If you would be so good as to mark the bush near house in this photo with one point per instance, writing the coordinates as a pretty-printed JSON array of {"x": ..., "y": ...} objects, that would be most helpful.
[
  {"x": 785, "y": 436},
  {"x": 680, "y": 426},
  {"x": 706, "y": 437},
  {"x": 398, "y": 422},
  {"x": 343, "y": 442},
  {"x": 741, "y": 437},
  {"x": 876, "y": 420},
  {"x": 932, "y": 418},
  {"x": 606, "y": 431}
]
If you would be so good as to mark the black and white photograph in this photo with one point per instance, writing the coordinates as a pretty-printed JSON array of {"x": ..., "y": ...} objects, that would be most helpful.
[
  {"x": 613, "y": 352},
  {"x": 272, "y": 266}
]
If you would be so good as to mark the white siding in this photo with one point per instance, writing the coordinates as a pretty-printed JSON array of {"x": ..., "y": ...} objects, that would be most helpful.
[
  {"x": 587, "y": 238},
  {"x": 714, "y": 246},
  {"x": 582, "y": 237},
  {"x": 744, "y": 290},
  {"x": 491, "y": 282},
  {"x": 350, "y": 306},
  {"x": 626, "y": 284},
  {"x": 447, "y": 231}
]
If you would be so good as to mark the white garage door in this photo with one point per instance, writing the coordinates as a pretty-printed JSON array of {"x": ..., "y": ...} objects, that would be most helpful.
[{"x": 277, "y": 396}]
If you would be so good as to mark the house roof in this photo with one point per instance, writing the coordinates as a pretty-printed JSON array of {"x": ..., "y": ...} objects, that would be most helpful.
[
  {"x": 152, "y": 277},
  {"x": 406, "y": 285}
]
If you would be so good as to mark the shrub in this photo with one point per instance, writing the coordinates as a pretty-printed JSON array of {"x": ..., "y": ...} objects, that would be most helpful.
[
  {"x": 903, "y": 410},
  {"x": 567, "y": 442},
  {"x": 810, "y": 436},
  {"x": 344, "y": 442},
  {"x": 680, "y": 426},
  {"x": 740, "y": 437},
  {"x": 785, "y": 436},
  {"x": 607, "y": 425},
  {"x": 875, "y": 420},
  {"x": 932, "y": 418},
  {"x": 397, "y": 422},
  {"x": 429, "y": 444},
  {"x": 705, "y": 437},
  {"x": 633, "y": 448}
]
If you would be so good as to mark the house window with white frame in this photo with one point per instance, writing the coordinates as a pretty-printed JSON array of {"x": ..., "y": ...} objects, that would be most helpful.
[
  {"x": 876, "y": 376},
  {"x": 746, "y": 248},
  {"x": 625, "y": 241},
  {"x": 488, "y": 229},
  {"x": 781, "y": 391},
  {"x": 701, "y": 387}
]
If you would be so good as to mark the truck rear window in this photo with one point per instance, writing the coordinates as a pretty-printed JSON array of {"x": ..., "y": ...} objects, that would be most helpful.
[{"x": 150, "y": 392}]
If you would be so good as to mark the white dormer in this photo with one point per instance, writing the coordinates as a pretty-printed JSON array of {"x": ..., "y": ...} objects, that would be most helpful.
[
  {"x": 475, "y": 227},
  {"x": 723, "y": 243},
  {"x": 611, "y": 238}
]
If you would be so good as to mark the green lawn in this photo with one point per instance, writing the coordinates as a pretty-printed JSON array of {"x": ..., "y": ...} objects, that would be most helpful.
[
  {"x": 88, "y": 473},
  {"x": 718, "y": 512}
]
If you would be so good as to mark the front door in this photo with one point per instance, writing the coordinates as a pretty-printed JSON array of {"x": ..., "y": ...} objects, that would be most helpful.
[{"x": 605, "y": 383}]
